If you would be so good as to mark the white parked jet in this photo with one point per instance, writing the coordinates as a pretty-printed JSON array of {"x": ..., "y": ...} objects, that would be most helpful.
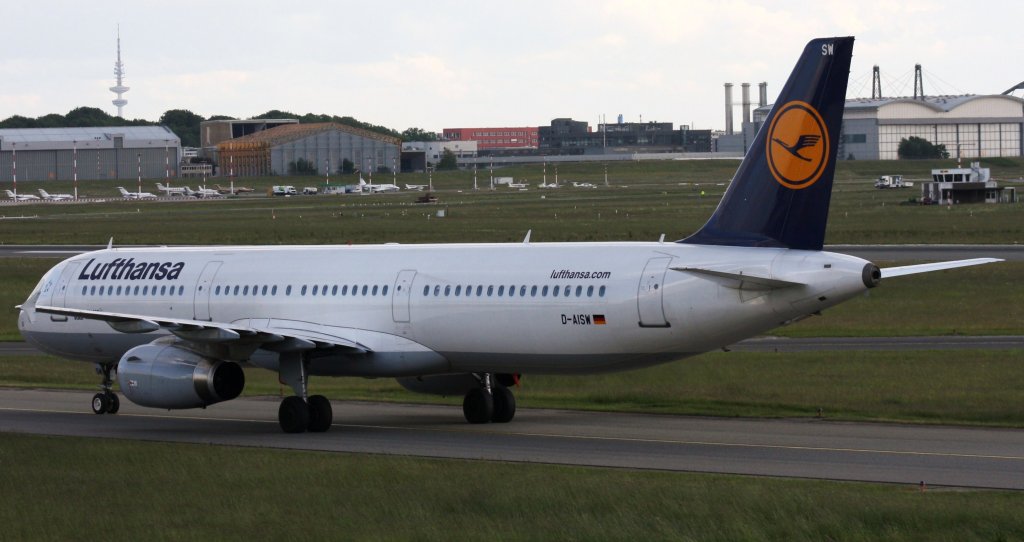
[
  {"x": 21, "y": 197},
  {"x": 203, "y": 193},
  {"x": 135, "y": 195},
  {"x": 583, "y": 185},
  {"x": 172, "y": 191},
  {"x": 417, "y": 187},
  {"x": 54, "y": 197},
  {"x": 374, "y": 188},
  {"x": 174, "y": 322}
]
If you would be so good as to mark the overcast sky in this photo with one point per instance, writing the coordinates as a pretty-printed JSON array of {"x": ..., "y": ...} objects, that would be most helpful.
[{"x": 444, "y": 64}]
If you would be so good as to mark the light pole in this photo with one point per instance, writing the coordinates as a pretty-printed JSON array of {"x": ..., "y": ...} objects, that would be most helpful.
[
  {"x": 74, "y": 165},
  {"x": 139, "y": 155},
  {"x": 14, "y": 169}
]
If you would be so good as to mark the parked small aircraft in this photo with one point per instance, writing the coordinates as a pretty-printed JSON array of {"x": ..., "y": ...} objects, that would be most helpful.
[
  {"x": 54, "y": 197},
  {"x": 21, "y": 197},
  {"x": 135, "y": 195}
]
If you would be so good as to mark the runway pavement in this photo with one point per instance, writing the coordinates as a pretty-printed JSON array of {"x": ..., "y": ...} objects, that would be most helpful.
[
  {"x": 904, "y": 454},
  {"x": 869, "y": 252}
]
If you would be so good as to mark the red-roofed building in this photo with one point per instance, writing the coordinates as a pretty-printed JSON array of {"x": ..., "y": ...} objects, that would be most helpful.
[{"x": 495, "y": 138}]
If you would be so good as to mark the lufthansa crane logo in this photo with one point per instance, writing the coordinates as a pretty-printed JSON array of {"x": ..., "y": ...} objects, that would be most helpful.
[{"x": 797, "y": 145}]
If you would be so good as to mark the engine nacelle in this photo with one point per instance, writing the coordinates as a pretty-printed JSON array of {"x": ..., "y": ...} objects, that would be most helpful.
[{"x": 166, "y": 376}]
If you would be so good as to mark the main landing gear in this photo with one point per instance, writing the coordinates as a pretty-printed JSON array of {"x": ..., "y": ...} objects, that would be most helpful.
[
  {"x": 301, "y": 412},
  {"x": 105, "y": 402},
  {"x": 491, "y": 402}
]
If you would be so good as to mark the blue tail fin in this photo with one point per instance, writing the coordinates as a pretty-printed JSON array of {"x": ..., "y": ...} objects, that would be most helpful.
[{"x": 780, "y": 194}]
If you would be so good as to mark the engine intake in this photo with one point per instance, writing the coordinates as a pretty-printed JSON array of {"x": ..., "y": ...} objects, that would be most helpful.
[{"x": 167, "y": 376}]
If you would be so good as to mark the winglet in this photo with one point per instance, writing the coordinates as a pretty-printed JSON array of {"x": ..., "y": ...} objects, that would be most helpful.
[
  {"x": 526, "y": 240},
  {"x": 110, "y": 243}
]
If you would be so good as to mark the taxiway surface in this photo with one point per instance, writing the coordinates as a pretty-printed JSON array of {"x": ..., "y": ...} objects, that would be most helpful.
[{"x": 905, "y": 454}]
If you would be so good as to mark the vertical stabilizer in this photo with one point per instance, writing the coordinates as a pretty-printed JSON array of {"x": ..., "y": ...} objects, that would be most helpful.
[{"x": 780, "y": 194}]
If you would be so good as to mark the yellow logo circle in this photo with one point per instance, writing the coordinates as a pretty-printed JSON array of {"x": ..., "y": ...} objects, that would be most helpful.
[{"x": 797, "y": 146}]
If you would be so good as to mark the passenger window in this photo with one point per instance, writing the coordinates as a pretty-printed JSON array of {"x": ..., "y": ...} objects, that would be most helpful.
[
  {"x": 163, "y": 290},
  {"x": 479, "y": 290},
  {"x": 92, "y": 291},
  {"x": 303, "y": 291},
  {"x": 136, "y": 291},
  {"x": 181, "y": 290},
  {"x": 375, "y": 290},
  {"x": 101, "y": 290},
  {"x": 288, "y": 290},
  {"x": 426, "y": 290},
  {"x": 334, "y": 290},
  {"x": 364, "y": 289},
  {"x": 554, "y": 292},
  {"x": 567, "y": 291},
  {"x": 118, "y": 290},
  {"x": 579, "y": 290},
  {"x": 85, "y": 290},
  {"x": 533, "y": 291},
  {"x": 490, "y": 291},
  {"x": 264, "y": 292},
  {"x": 522, "y": 291},
  {"x": 273, "y": 290},
  {"x": 145, "y": 290},
  {"x": 245, "y": 290},
  {"x": 315, "y": 289},
  {"x": 437, "y": 290},
  {"x": 544, "y": 291},
  {"x": 458, "y": 290},
  {"x": 384, "y": 290},
  {"x": 447, "y": 291},
  {"x": 590, "y": 291},
  {"x": 216, "y": 291},
  {"x": 236, "y": 289},
  {"x": 355, "y": 289},
  {"x": 501, "y": 290}
]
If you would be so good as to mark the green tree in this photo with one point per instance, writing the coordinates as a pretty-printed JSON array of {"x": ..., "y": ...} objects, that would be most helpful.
[
  {"x": 184, "y": 124},
  {"x": 914, "y": 147},
  {"x": 447, "y": 161},
  {"x": 301, "y": 166},
  {"x": 418, "y": 134}
]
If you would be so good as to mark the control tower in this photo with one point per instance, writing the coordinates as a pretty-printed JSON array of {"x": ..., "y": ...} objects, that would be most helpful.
[{"x": 119, "y": 89}]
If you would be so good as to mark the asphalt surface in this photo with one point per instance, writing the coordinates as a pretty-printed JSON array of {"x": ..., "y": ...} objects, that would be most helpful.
[
  {"x": 868, "y": 252},
  {"x": 903, "y": 454}
]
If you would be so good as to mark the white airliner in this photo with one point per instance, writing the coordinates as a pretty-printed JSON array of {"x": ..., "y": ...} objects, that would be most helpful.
[
  {"x": 172, "y": 191},
  {"x": 54, "y": 197},
  {"x": 21, "y": 197},
  {"x": 135, "y": 195},
  {"x": 174, "y": 322}
]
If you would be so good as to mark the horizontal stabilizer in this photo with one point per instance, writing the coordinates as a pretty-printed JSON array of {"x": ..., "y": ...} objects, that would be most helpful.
[
  {"x": 890, "y": 272},
  {"x": 741, "y": 280}
]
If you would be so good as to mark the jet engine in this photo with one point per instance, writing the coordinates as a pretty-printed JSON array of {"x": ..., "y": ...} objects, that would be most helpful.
[{"x": 168, "y": 376}]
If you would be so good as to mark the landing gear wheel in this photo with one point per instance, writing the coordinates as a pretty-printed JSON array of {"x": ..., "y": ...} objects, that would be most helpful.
[
  {"x": 113, "y": 403},
  {"x": 293, "y": 414},
  {"x": 478, "y": 406},
  {"x": 504, "y": 404},
  {"x": 100, "y": 403},
  {"x": 320, "y": 414}
]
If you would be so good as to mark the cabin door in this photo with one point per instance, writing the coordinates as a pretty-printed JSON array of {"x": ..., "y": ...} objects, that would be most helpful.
[
  {"x": 649, "y": 293},
  {"x": 402, "y": 296},
  {"x": 201, "y": 301},
  {"x": 58, "y": 293}
]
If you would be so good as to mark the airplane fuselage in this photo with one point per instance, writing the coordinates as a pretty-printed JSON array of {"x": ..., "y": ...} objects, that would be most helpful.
[{"x": 433, "y": 309}]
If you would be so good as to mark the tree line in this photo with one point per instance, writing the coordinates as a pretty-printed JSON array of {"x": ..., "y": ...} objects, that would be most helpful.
[{"x": 185, "y": 123}]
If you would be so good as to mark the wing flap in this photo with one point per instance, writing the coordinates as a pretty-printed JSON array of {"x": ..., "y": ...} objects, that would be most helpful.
[{"x": 197, "y": 331}]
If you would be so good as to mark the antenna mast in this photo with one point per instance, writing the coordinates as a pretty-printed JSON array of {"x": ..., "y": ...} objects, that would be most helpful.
[{"x": 120, "y": 89}]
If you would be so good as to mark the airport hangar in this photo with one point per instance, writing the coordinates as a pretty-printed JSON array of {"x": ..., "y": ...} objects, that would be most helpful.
[
  {"x": 101, "y": 153},
  {"x": 324, "y": 145}
]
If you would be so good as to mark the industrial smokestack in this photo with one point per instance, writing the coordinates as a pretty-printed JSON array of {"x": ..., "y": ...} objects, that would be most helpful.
[
  {"x": 728, "y": 108},
  {"x": 762, "y": 94},
  {"x": 745, "y": 93}
]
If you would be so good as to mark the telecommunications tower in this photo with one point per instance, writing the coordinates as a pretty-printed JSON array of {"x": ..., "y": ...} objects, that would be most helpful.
[{"x": 120, "y": 89}]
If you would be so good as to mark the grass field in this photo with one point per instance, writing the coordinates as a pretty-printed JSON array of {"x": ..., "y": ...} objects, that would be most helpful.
[
  {"x": 84, "y": 488},
  {"x": 643, "y": 201}
]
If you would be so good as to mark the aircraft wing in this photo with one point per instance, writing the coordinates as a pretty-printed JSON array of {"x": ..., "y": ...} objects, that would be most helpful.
[
  {"x": 890, "y": 272},
  {"x": 199, "y": 331}
]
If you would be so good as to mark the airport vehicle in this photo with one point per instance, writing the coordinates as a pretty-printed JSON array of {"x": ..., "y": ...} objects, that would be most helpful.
[
  {"x": 517, "y": 186},
  {"x": 21, "y": 197},
  {"x": 892, "y": 181},
  {"x": 283, "y": 191},
  {"x": 310, "y": 191},
  {"x": 135, "y": 195},
  {"x": 172, "y": 191},
  {"x": 232, "y": 189},
  {"x": 54, "y": 197},
  {"x": 174, "y": 323}
]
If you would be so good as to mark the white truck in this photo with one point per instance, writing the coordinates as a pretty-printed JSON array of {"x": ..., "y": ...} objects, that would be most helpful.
[
  {"x": 892, "y": 181},
  {"x": 283, "y": 190}
]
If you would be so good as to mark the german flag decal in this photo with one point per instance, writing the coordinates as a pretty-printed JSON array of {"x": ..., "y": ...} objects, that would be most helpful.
[{"x": 598, "y": 319}]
